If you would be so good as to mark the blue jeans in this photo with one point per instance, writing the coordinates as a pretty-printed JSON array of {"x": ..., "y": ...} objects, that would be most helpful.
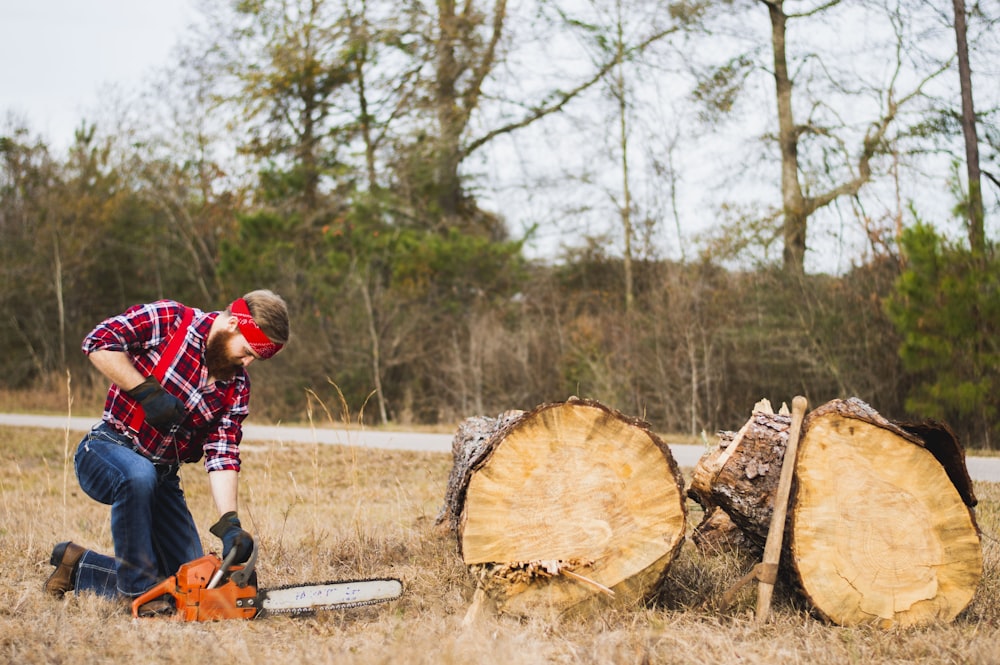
[{"x": 151, "y": 526}]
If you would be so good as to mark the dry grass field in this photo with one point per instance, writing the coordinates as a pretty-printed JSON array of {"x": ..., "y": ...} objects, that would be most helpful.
[{"x": 325, "y": 512}]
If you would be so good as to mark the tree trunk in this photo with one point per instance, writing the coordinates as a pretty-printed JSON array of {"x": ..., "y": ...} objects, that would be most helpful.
[
  {"x": 560, "y": 508},
  {"x": 880, "y": 522},
  {"x": 793, "y": 203},
  {"x": 977, "y": 237}
]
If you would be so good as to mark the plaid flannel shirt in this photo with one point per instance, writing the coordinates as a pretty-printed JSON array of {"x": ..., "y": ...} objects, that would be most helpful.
[{"x": 212, "y": 427}]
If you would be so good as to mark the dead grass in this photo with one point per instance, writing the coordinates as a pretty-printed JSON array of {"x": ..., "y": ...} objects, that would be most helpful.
[{"x": 326, "y": 512}]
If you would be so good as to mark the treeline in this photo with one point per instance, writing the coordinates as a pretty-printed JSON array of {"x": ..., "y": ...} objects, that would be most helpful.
[
  {"x": 325, "y": 150},
  {"x": 419, "y": 326}
]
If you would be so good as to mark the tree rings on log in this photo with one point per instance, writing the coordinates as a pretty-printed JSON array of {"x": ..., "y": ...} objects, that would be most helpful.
[
  {"x": 564, "y": 506},
  {"x": 882, "y": 529}
]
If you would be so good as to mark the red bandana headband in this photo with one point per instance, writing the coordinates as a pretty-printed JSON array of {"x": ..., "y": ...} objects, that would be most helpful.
[{"x": 254, "y": 336}]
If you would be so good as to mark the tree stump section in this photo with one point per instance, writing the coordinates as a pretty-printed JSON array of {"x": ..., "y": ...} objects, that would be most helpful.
[
  {"x": 880, "y": 522},
  {"x": 558, "y": 509}
]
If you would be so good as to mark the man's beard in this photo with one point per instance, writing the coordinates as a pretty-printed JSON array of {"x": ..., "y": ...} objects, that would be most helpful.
[{"x": 221, "y": 365}]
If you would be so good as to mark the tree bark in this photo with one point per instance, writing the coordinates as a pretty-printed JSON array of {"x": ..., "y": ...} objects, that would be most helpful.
[
  {"x": 558, "y": 509},
  {"x": 740, "y": 477},
  {"x": 880, "y": 523}
]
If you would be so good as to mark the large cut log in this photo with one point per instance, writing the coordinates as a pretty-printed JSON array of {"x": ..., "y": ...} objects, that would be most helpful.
[
  {"x": 882, "y": 526},
  {"x": 560, "y": 508},
  {"x": 880, "y": 521}
]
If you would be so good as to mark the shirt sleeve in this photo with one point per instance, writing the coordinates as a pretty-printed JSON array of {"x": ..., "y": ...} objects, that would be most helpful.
[
  {"x": 222, "y": 444},
  {"x": 139, "y": 327}
]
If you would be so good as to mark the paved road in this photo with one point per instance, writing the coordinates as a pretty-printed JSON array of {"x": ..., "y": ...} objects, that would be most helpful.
[{"x": 980, "y": 468}]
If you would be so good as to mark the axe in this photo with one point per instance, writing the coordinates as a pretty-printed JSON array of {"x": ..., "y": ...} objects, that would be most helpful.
[{"x": 767, "y": 571}]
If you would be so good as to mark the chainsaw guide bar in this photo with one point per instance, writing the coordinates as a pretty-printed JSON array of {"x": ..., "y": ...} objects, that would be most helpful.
[{"x": 342, "y": 594}]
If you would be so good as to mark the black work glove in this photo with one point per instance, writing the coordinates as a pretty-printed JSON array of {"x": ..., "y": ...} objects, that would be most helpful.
[
  {"x": 163, "y": 410},
  {"x": 232, "y": 534}
]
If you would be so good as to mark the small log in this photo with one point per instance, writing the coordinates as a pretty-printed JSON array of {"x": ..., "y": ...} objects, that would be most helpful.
[
  {"x": 741, "y": 477},
  {"x": 564, "y": 507}
]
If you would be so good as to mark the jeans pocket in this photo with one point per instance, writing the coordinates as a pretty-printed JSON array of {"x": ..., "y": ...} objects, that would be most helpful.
[{"x": 90, "y": 464}]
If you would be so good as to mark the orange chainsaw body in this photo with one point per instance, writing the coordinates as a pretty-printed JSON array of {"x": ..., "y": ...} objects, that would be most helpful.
[{"x": 195, "y": 601}]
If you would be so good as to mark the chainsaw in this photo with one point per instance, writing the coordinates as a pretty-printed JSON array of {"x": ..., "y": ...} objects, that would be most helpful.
[{"x": 210, "y": 589}]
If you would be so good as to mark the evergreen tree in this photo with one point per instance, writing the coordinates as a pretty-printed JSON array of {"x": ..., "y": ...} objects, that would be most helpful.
[{"x": 946, "y": 307}]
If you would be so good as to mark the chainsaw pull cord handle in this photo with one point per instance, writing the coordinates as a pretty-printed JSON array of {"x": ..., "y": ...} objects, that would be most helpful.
[{"x": 242, "y": 576}]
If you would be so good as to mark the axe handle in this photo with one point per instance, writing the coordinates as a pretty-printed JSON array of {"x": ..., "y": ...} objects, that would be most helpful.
[{"x": 776, "y": 530}]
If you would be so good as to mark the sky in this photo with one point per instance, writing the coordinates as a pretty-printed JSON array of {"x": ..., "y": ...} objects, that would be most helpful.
[{"x": 58, "y": 55}]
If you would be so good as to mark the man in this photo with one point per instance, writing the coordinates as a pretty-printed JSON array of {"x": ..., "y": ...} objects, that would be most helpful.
[{"x": 180, "y": 391}]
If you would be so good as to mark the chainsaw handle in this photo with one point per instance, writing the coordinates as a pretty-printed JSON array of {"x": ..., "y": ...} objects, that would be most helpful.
[
  {"x": 223, "y": 569},
  {"x": 166, "y": 587},
  {"x": 242, "y": 576}
]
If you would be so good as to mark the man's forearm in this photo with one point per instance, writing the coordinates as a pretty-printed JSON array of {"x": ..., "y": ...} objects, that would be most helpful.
[
  {"x": 118, "y": 367},
  {"x": 224, "y": 485}
]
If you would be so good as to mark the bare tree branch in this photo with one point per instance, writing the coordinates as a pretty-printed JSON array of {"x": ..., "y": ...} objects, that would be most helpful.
[
  {"x": 870, "y": 144},
  {"x": 485, "y": 64},
  {"x": 815, "y": 10},
  {"x": 560, "y": 102}
]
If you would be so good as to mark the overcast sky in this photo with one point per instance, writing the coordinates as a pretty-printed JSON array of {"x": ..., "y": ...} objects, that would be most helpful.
[{"x": 57, "y": 55}]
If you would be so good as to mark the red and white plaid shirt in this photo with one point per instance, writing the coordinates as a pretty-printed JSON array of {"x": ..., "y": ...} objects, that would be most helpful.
[{"x": 212, "y": 426}]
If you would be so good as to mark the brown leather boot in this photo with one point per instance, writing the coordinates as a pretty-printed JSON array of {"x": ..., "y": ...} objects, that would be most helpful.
[{"x": 65, "y": 556}]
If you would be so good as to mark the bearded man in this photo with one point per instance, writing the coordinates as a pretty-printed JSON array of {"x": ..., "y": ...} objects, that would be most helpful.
[{"x": 180, "y": 391}]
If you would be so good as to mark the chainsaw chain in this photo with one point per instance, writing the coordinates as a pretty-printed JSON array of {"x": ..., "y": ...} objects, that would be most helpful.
[{"x": 295, "y": 611}]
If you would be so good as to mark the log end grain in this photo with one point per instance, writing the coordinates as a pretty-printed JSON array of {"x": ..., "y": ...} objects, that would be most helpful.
[
  {"x": 879, "y": 531},
  {"x": 572, "y": 486}
]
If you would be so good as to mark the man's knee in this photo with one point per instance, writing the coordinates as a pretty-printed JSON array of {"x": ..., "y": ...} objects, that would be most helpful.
[{"x": 138, "y": 482}]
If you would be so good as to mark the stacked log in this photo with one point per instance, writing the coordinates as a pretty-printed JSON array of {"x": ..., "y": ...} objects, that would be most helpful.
[
  {"x": 563, "y": 508},
  {"x": 880, "y": 527},
  {"x": 736, "y": 482}
]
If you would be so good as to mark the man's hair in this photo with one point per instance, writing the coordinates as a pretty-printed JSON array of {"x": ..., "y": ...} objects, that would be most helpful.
[{"x": 270, "y": 313}]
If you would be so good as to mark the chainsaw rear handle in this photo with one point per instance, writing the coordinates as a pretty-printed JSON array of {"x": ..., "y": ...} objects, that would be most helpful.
[
  {"x": 166, "y": 587},
  {"x": 190, "y": 577}
]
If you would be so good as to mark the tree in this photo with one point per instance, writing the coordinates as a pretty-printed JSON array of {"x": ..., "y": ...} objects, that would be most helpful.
[
  {"x": 27, "y": 173},
  {"x": 840, "y": 100},
  {"x": 487, "y": 79},
  {"x": 622, "y": 34},
  {"x": 946, "y": 307},
  {"x": 797, "y": 204},
  {"x": 282, "y": 67},
  {"x": 977, "y": 236}
]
